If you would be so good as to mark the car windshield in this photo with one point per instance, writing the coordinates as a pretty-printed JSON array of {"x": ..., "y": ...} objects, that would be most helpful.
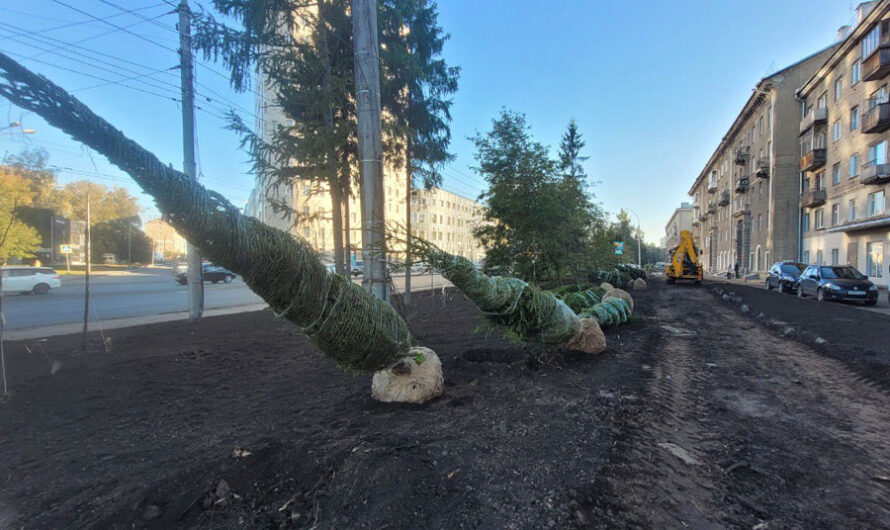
[
  {"x": 793, "y": 268},
  {"x": 842, "y": 273}
]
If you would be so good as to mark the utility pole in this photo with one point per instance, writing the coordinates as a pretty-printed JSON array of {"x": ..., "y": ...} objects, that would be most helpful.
[
  {"x": 86, "y": 285},
  {"x": 370, "y": 150},
  {"x": 195, "y": 275},
  {"x": 2, "y": 352}
]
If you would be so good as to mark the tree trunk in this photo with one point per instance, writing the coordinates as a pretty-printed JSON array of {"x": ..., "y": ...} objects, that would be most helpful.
[
  {"x": 347, "y": 236},
  {"x": 410, "y": 178},
  {"x": 333, "y": 174}
]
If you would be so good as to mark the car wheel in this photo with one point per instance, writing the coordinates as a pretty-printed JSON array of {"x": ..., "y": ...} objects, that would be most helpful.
[
  {"x": 228, "y": 278},
  {"x": 769, "y": 286},
  {"x": 41, "y": 288},
  {"x": 800, "y": 292},
  {"x": 820, "y": 294}
]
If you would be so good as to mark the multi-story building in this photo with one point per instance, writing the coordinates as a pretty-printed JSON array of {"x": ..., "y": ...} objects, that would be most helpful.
[
  {"x": 448, "y": 221},
  {"x": 845, "y": 171},
  {"x": 680, "y": 220},
  {"x": 165, "y": 239},
  {"x": 745, "y": 198}
]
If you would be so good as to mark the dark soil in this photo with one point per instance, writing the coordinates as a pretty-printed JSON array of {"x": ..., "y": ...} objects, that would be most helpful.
[
  {"x": 857, "y": 337},
  {"x": 237, "y": 422}
]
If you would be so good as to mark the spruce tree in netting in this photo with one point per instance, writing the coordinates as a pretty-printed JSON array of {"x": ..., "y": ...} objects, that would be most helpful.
[{"x": 357, "y": 331}]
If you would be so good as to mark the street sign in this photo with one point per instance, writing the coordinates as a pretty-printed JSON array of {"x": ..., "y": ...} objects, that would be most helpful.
[
  {"x": 619, "y": 247},
  {"x": 65, "y": 249}
]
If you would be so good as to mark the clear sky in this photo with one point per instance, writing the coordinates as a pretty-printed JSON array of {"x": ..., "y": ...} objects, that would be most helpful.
[{"x": 652, "y": 85}]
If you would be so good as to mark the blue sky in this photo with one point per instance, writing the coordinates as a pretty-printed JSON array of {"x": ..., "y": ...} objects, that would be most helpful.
[{"x": 652, "y": 85}]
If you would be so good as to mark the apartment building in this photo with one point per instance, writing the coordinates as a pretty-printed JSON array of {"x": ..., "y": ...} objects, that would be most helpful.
[
  {"x": 166, "y": 241},
  {"x": 448, "y": 221},
  {"x": 680, "y": 220},
  {"x": 745, "y": 200},
  {"x": 844, "y": 133}
]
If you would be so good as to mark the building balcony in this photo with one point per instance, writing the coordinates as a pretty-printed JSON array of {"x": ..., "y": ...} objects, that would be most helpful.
[
  {"x": 695, "y": 221},
  {"x": 876, "y": 119},
  {"x": 742, "y": 185},
  {"x": 813, "y": 198},
  {"x": 762, "y": 168},
  {"x": 814, "y": 117},
  {"x": 712, "y": 207},
  {"x": 742, "y": 154},
  {"x": 741, "y": 211},
  {"x": 812, "y": 160},
  {"x": 873, "y": 173},
  {"x": 877, "y": 65},
  {"x": 703, "y": 216},
  {"x": 724, "y": 198}
]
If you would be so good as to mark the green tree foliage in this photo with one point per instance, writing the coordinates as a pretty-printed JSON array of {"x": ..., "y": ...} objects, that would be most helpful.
[
  {"x": 539, "y": 222},
  {"x": 106, "y": 204},
  {"x": 17, "y": 239},
  {"x": 122, "y": 237}
]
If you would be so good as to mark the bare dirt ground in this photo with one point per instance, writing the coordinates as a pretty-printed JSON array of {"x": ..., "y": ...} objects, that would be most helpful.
[{"x": 694, "y": 417}]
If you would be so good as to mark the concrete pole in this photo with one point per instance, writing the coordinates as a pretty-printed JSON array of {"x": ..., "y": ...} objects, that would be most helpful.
[
  {"x": 2, "y": 352},
  {"x": 370, "y": 150},
  {"x": 86, "y": 277},
  {"x": 195, "y": 275}
]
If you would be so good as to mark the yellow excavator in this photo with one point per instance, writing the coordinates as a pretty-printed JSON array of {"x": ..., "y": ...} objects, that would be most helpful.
[{"x": 684, "y": 263}]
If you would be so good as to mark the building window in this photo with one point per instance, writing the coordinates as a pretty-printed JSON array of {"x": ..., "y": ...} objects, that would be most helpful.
[
  {"x": 877, "y": 153},
  {"x": 835, "y": 214},
  {"x": 759, "y": 223},
  {"x": 822, "y": 102},
  {"x": 836, "y": 131},
  {"x": 836, "y": 173},
  {"x": 854, "y": 118},
  {"x": 874, "y": 259},
  {"x": 819, "y": 181},
  {"x": 854, "y": 166},
  {"x": 818, "y": 219},
  {"x": 854, "y": 72},
  {"x": 871, "y": 41},
  {"x": 421, "y": 217},
  {"x": 806, "y": 256},
  {"x": 760, "y": 125},
  {"x": 806, "y": 222},
  {"x": 851, "y": 210},
  {"x": 838, "y": 89},
  {"x": 875, "y": 203},
  {"x": 834, "y": 256},
  {"x": 818, "y": 257}
]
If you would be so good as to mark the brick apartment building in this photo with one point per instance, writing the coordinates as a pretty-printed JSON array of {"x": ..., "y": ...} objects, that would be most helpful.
[
  {"x": 845, "y": 171},
  {"x": 745, "y": 198}
]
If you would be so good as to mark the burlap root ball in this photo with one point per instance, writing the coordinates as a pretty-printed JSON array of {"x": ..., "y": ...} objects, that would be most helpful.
[
  {"x": 606, "y": 286},
  {"x": 620, "y": 293},
  {"x": 639, "y": 285},
  {"x": 590, "y": 338},
  {"x": 410, "y": 382}
]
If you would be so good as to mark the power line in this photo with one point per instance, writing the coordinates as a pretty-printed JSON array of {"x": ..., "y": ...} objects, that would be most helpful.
[
  {"x": 125, "y": 30},
  {"x": 70, "y": 24}
]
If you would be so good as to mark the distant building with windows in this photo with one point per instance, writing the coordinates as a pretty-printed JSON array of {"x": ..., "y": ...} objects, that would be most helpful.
[
  {"x": 845, "y": 170},
  {"x": 166, "y": 241},
  {"x": 680, "y": 220},
  {"x": 448, "y": 221}
]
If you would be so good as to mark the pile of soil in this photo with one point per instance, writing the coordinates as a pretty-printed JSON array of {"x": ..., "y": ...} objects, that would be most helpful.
[{"x": 157, "y": 432}]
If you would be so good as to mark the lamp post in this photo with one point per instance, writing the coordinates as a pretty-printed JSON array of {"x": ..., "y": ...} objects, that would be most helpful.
[{"x": 15, "y": 125}]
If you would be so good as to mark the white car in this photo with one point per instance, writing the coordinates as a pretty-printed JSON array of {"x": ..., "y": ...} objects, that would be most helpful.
[{"x": 26, "y": 280}]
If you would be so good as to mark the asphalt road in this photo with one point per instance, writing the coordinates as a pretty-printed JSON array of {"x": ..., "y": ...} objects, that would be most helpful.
[{"x": 143, "y": 292}]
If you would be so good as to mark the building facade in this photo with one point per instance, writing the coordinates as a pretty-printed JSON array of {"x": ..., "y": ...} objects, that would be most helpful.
[
  {"x": 745, "y": 198},
  {"x": 448, "y": 221},
  {"x": 844, "y": 134},
  {"x": 166, "y": 241},
  {"x": 680, "y": 220}
]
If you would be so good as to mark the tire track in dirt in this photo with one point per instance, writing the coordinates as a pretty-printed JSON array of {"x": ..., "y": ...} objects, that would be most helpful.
[{"x": 741, "y": 428}]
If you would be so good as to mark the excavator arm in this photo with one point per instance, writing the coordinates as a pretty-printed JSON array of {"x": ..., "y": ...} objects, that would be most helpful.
[{"x": 685, "y": 264}]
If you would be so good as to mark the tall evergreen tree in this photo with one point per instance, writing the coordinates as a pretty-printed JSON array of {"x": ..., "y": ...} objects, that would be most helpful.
[
  {"x": 417, "y": 89},
  {"x": 570, "y": 158}
]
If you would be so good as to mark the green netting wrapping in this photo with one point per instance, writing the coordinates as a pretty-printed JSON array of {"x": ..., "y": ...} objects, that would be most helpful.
[
  {"x": 523, "y": 309},
  {"x": 580, "y": 296},
  {"x": 357, "y": 331},
  {"x": 609, "y": 312}
]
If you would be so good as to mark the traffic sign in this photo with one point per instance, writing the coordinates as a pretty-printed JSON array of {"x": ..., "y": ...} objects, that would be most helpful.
[
  {"x": 619, "y": 247},
  {"x": 65, "y": 249}
]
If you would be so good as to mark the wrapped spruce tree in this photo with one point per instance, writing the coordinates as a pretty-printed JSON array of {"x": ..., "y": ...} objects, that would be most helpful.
[{"x": 357, "y": 331}]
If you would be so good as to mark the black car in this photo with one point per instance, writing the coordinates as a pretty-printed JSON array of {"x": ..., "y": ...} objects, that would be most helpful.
[
  {"x": 835, "y": 282},
  {"x": 783, "y": 275},
  {"x": 211, "y": 273}
]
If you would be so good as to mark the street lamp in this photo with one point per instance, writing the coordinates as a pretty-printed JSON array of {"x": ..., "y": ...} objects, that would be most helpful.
[
  {"x": 639, "y": 251},
  {"x": 16, "y": 124}
]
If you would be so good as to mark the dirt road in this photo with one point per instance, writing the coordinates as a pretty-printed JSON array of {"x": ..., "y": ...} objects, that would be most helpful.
[
  {"x": 694, "y": 417},
  {"x": 742, "y": 428}
]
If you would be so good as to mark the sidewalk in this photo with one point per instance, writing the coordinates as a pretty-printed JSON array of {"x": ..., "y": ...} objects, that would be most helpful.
[{"x": 882, "y": 307}]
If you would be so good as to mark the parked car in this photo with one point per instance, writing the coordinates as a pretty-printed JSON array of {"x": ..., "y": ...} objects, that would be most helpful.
[
  {"x": 27, "y": 280},
  {"x": 836, "y": 282},
  {"x": 211, "y": 273},
  {"x": 358, "y": 268},
  {"x": 109, "y": 259},
  {"x": 419, "y": 268},
  {"x": 783, "y": 275}
]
